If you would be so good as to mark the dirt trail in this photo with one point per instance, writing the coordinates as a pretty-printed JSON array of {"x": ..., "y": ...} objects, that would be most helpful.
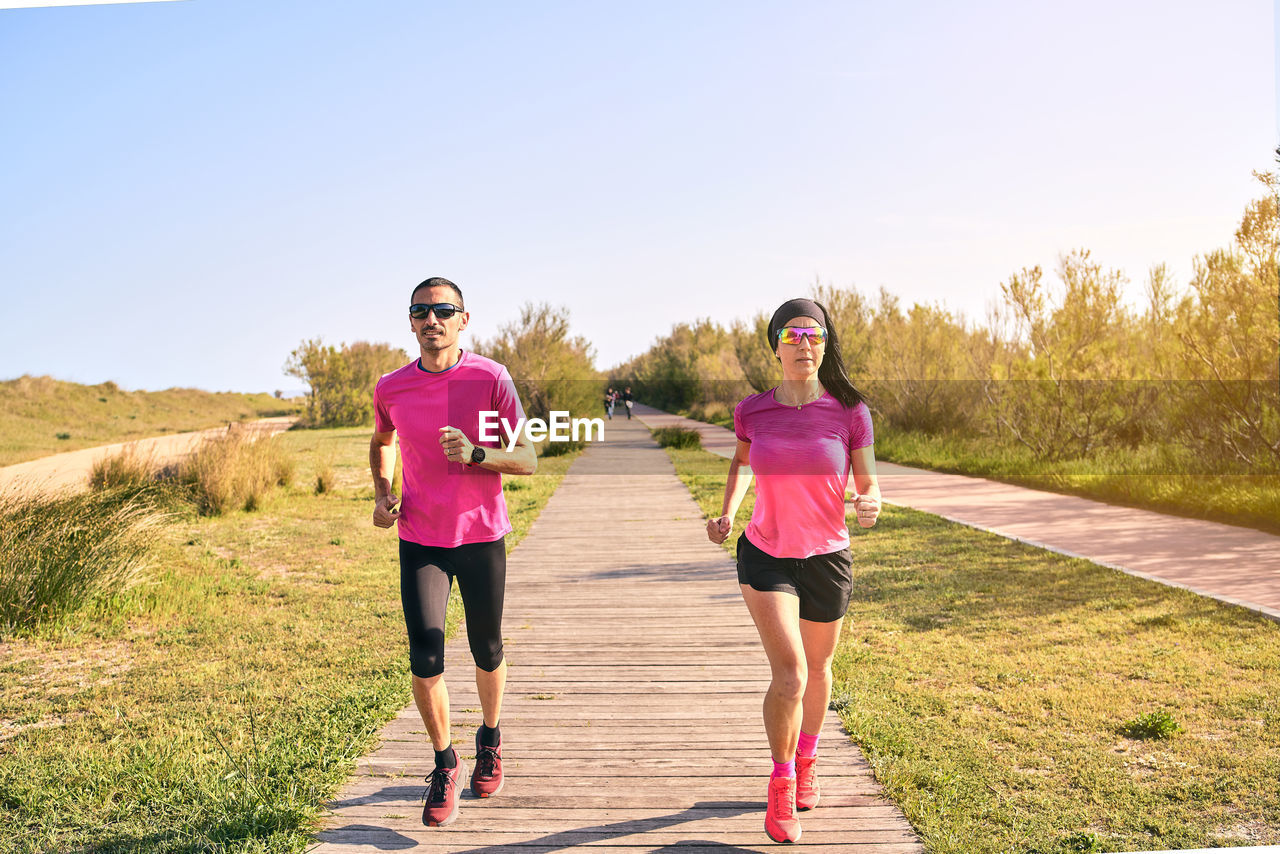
[{"x": 70, "y": 471}]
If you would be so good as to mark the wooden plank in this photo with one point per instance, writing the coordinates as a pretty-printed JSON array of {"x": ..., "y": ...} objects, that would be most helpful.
[
  {"x": 496, "y": 810},
  {"x": 467, "y": 834},
  {"x": 523, "y": 822},
  {"x": 672, "y": 770},
  {"x": 429, "y": 845},
  {"x": 405, "y": 794}
]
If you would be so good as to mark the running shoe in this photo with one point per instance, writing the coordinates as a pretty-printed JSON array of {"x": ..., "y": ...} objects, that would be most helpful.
[
  {"x": 807, "y": 790},
  {"x": 486, "y": 779},
  {"x": 780, "y": 820},
  {"x": 442, "y": 796}
]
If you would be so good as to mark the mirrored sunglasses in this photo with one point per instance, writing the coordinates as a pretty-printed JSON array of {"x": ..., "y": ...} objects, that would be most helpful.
[{"x": 796, "y": 334}]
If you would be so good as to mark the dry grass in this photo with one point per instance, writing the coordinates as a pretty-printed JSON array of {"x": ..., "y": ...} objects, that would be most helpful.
[
  {"x": 234, "y": 472},
  {"x": 41, "y": 416},
  {"x": 60, "y": 553},
  {"x": 129, "y": 468}
]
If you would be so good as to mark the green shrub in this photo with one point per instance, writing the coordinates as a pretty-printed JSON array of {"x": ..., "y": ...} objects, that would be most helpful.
[
  {"x": 1083, "y": 842},
  {"x": 59, "y": 553},
  {"x": 557, "y": 449},
  {"x": 1152, "y": 725},
  {"x": 342, "y": 379},
  {"x": 677, "y": 437}
]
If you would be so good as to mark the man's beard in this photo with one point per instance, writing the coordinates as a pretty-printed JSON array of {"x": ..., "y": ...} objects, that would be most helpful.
[{"x": 435, "y": 344}]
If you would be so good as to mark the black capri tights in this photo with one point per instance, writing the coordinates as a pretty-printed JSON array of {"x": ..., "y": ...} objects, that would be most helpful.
[{"x": 426, "y": 575}]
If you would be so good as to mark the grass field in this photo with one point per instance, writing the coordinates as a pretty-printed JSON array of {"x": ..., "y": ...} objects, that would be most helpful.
[
  {"x": 219, "y": 705},
  {"x": 990, "y": 683},
  {"x": 41, "y": 416}
]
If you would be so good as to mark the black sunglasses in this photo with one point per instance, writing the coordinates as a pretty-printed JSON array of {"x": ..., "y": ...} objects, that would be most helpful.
[{"x": 443, "y": 310}]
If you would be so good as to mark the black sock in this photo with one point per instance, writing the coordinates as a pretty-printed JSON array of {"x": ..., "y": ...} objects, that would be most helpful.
[
  {"x": 446, "y": 758},
  {"x": 489, "y": 737}
]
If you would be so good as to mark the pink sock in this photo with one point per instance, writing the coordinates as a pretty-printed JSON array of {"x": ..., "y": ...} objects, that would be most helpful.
[
  {"x": 783, "y": 769},
  {"x": 808, "y": 745}
]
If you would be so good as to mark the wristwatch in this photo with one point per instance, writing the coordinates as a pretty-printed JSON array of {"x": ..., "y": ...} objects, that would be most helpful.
[{"x": 477, "y": 455}]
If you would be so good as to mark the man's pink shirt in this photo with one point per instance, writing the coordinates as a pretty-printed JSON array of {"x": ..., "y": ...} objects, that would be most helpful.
[
  {"x": 800, "y": 459},
  {"x": 447, "y": 504}
]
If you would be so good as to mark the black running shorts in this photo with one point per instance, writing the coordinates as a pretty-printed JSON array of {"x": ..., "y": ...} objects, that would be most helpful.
[
  {"x": 426, "y": 575},
  {"x": 822, "y": 582}
]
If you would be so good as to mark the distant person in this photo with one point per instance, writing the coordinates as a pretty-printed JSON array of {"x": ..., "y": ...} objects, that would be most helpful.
[
  {"x": 628, "y": 401},
  {"x": 608, "y": 402},
  {"x": 452, "y": 524},
  {"x": 800, "y": 440}
]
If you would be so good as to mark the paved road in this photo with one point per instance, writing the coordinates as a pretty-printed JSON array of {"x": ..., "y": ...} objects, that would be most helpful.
[{"x": 1232, "y": 564}]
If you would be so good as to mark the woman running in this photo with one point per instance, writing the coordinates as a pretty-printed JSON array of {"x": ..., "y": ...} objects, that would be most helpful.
[{"x": 800, "y": 440}]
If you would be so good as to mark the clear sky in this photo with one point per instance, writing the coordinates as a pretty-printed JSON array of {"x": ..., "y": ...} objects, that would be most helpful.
[{"x": 190, "y": 189}]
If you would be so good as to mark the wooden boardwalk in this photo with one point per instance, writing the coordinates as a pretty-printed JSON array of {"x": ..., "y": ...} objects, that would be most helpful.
[{"x": 632, "y": 718}]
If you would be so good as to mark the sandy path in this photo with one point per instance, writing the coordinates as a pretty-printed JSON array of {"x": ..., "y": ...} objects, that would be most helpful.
[{"x": 70, "y": 471}]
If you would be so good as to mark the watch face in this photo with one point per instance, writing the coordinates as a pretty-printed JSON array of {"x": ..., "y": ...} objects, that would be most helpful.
[{"x": 477, "y": 455}]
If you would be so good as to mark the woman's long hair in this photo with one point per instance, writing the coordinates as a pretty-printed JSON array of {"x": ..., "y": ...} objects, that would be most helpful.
[{"x": 832, "y": 373}]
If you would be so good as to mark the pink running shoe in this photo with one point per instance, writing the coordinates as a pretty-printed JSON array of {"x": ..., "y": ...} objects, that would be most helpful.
[
  {"x": 442, "y": 796},
  {"x": 780, "y": 820},
  {"x": 486, "y": 780},
  {"x": 807, "y": 790}
]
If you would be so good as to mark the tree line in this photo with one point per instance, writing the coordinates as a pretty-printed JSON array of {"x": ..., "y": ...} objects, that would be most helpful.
[
  {"x": 553, "y": 369},
  {"x": 1061, "y": 366}
]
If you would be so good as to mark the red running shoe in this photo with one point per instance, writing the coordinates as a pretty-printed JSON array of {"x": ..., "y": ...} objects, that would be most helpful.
[
  {"x": 780, "y": 820},
  {"x": 442, "y": 796},
  {"x": 486, "y": 779},
  {"x": 807, "y": 790}
]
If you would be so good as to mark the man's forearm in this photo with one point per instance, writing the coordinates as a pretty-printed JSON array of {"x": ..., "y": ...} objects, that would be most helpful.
[
  {"x": 522, "y": 459},
  {"x": 382, "y": 464}
]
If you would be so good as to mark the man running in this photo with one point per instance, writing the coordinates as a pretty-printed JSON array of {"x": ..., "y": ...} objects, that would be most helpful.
[{"x": 452, "y": 523}]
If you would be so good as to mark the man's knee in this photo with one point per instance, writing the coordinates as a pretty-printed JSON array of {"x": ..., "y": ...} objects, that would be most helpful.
[
  {"x": 426, "y": 664},
  {"x": 488, "y": 656}
]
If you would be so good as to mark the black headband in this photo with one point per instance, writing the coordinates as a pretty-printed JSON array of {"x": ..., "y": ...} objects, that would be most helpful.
[{"x": 790, "y": 310}]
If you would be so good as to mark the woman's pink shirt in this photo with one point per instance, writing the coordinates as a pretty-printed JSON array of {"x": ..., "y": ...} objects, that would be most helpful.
[{"x": 800, "y": 459}]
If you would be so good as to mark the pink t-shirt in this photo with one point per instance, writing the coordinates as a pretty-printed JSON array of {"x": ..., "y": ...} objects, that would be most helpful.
[
  {"x": 447, "y": 504},
  {"x": 800, "y": 459}
]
